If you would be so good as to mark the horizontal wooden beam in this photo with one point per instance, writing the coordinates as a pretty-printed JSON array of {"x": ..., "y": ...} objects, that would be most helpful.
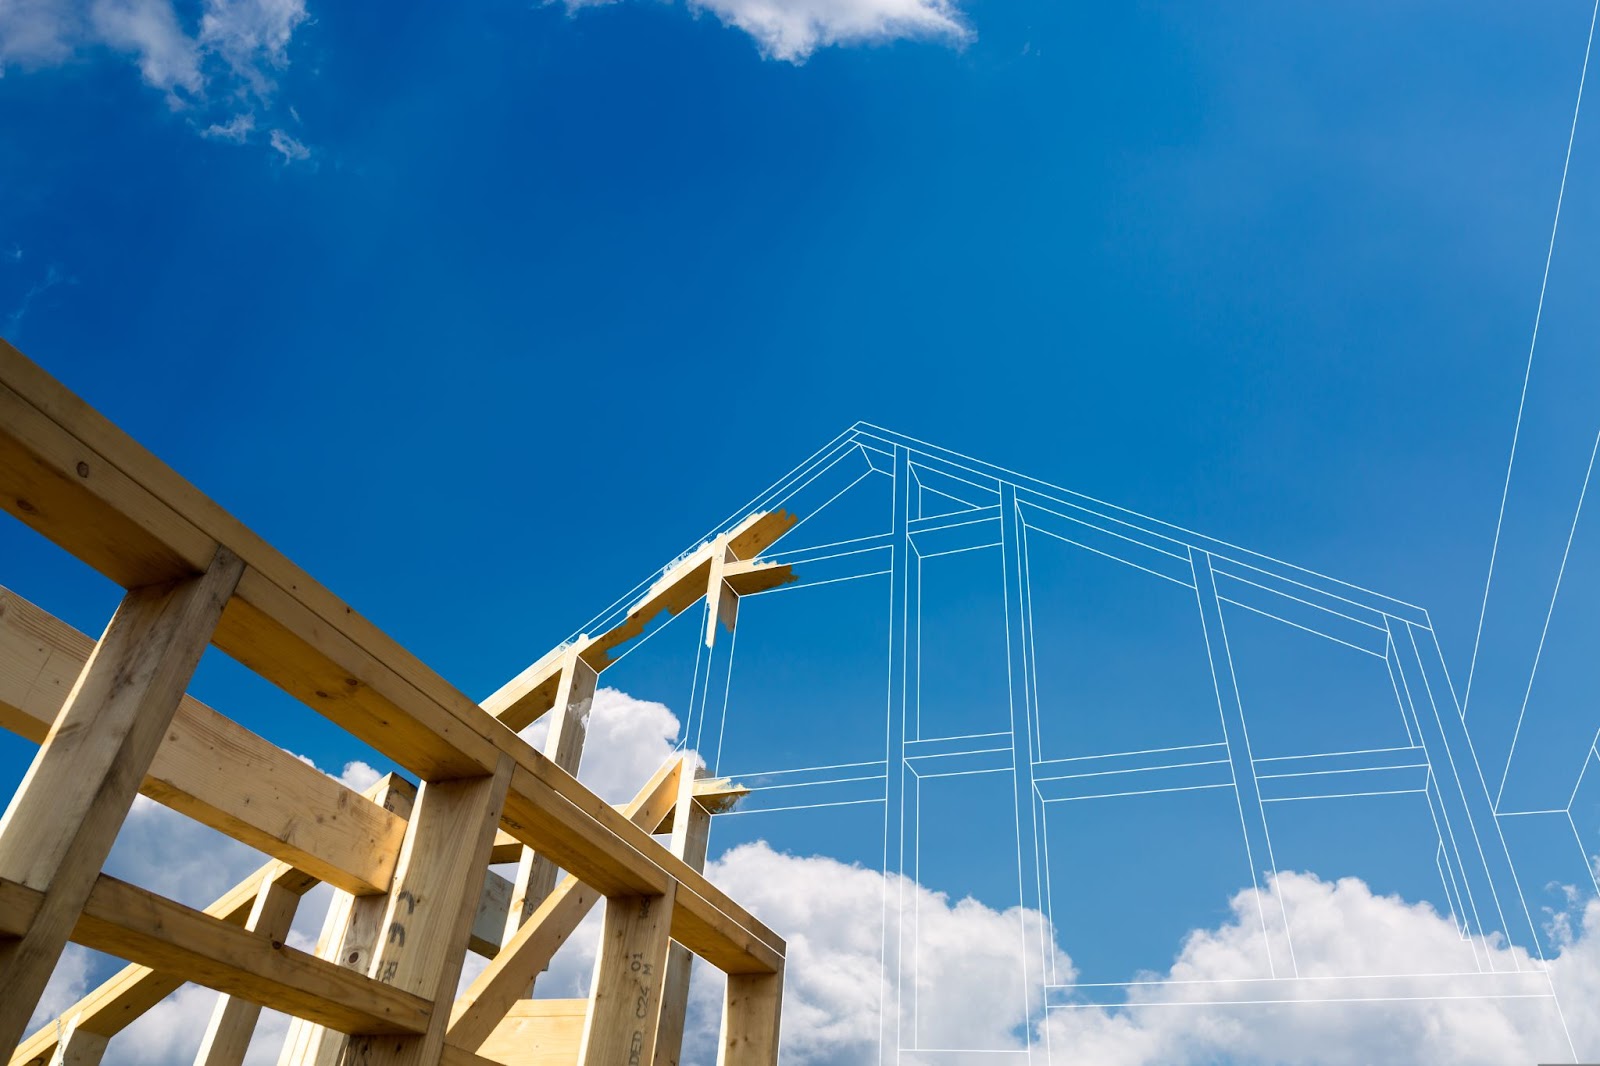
[
  {"x": 135, "y": 924},
  {"x": 297, "y": 634},
  {"x": 111, "y": 1007},
  {"x": 749, "y": 576},
  {"x": 717, "y": 795},
  {"x": 209, "y": 767}
]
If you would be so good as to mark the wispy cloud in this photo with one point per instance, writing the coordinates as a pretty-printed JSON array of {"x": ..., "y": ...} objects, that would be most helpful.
[
  {"x": 792, "y": 30},
  {"x": 236, "y": 129},
  {"x": 227, "y": 58},
  {"x": 291, "y": 150},
  {"x": 53, "y": 276}
]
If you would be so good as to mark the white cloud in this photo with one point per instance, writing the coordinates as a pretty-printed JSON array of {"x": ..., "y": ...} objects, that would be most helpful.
[
  {"x": 227, "y": 58},
  {"x": 236, "y": 129},
  {"x": 252, "y": 36},
  {"x": 291, "y": 150},
  {"x": 168, "y": 57},
  {"x": 53, "y": 276},
  {"x": 628, "y": 740},
  {"x": 67, "y": 985},
  {"x": 1396, "y": 937},
  {"x": 793, "y": 29},
  {"x": 359, "y": 776},
  {"x": 970, "y": 968},
  {"x": 35, "y": 33},
  {"x": 164, "y": 851}
]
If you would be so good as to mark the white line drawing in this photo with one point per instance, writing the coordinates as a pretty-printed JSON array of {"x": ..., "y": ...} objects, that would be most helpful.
[{"x": 976, "y": 507}]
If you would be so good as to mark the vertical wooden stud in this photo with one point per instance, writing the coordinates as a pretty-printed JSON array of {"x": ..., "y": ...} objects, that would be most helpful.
[
  {"x": 349, "y": 937},
  {"x": 428, "y": 919},
  {"x": 569, "y": 724},
  {"x": 750, "y": 1020},
  {"x": 691, "y": 832},
  {"x": 625, "y": 997},
  {"x": 61, "y": 823},
  {"x": 233, "y": 1020}
]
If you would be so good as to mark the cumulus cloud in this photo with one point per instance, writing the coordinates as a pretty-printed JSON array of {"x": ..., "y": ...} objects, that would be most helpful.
[
  {"x": 1398, "y": 937},
  {"x": 793, "y": 29},
  {"x": 968, "y": 991},
  {"x": 149, "y": 30},
  {"x": 628, "y": 740}
]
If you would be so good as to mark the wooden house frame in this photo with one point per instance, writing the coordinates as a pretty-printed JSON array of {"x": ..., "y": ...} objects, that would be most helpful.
[{"x": 409, "y": 863}]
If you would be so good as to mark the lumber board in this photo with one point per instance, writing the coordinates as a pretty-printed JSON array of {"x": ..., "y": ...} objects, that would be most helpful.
[
  {"x": 569, "y": 726},
  {"x": 72, "y": 493},
  {"x": 274, "y": 633},
  {"x": 759, "y": 532},
  {"x": 525, "y": 698},
  {"x": 209, "y": 767},
  {"x": 691, "y": 834},
  {"x": 297, "y": 634},
  {"x": 429, "y": 915},
  {"x": 79, "y": 1047},
  {"x": 138, "y": 925},
  {"x": 750, "y": 1020},
  {"x": 715, "y": 794},
  {"x": 538, "y": 1032},
  {"x": 625, "y": 994},
  {"x": 60, "y": 825},
  {"x": 351, "y": 931},
  {"x": 489, "y": 920},
  {"x": 126, "y": 995},
  {"x": 747, "y": 577},
  {"x": 529, "y": 950},
  {"x": 233, "y": 1019}
]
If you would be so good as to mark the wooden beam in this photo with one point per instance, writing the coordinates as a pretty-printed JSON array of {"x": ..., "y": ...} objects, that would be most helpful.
[
  {"x": 538, "y": 1032},
  {"x": 569, "y": 725},
  {"x": 714, "y": 794},
  {"x": 73, "y": 493},
  {"x": 429, "y": 915},
  {"x": 531, "y": 693},
  {"x": 691, "y": 833},
  {"x": 78, "y": 1046},
  {"x": 325, "y": 642},
  {"x": 750, "y": 1020},
  {"x": 208, "y": 767},
  {"x": 61, "y": 823},
  {"x": 750, "y": 576},
  {"x": 505, "y": 980},
  {"x": 138, "y": 925},
  {"x": 297, "y": 634},
  {"x": 759, "y": 532},
  {"x": 350, "y": 934},
  {"x": 111, "y": 1007},
  {"x": 625, "y": 995},
  {"x": 233, "y": 1020}
]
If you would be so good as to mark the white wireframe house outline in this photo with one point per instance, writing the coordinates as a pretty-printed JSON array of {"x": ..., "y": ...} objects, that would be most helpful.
[{"x": 946, "y": 503}]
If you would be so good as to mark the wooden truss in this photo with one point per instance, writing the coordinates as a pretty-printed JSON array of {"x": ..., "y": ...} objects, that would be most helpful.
[{"x": 409, "y": 863}]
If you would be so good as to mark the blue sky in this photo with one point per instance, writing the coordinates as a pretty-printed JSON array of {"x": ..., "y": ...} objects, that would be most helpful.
[{"x": 482, "y": 314}]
